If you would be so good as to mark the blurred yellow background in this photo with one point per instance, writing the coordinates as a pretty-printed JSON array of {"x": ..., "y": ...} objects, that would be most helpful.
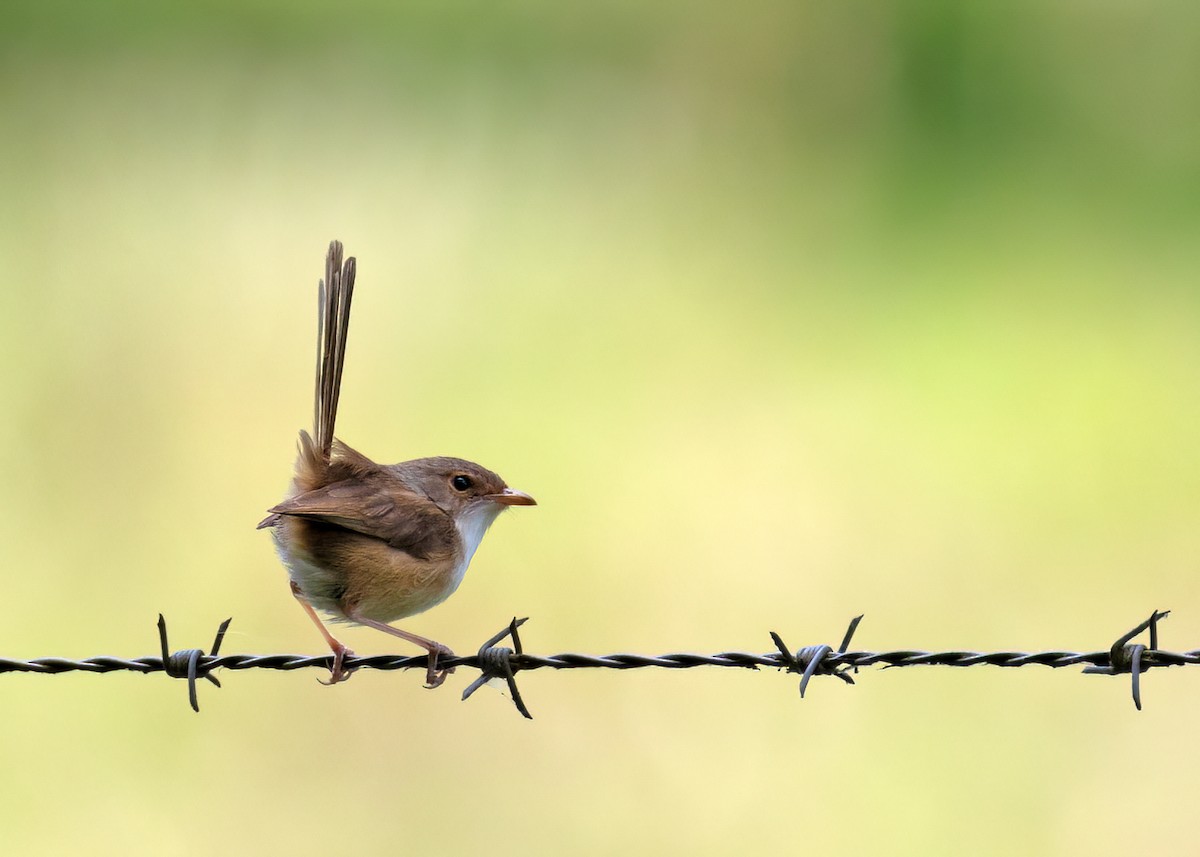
[{"x": 784, "y": 313}]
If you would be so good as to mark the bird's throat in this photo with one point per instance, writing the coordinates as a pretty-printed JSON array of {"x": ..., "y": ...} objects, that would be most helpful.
[{"x": 472, "y": 522}]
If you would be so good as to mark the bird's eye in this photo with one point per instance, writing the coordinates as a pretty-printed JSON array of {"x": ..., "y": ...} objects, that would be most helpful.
[{"x": 461, "y": 483}]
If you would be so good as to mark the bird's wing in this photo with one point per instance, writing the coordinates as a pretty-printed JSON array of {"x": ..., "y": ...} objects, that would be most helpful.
[{"x": 381, "y": 509}]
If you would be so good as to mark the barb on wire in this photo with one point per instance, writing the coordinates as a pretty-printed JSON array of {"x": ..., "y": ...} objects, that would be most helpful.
[
  {"x": 497, "y": 663},
  {"x": 500, "y": 662},
  {"x": 1126, "y": 658},
  {"x": 811, "y": 660},
  {"x": 186, "y": 662}
]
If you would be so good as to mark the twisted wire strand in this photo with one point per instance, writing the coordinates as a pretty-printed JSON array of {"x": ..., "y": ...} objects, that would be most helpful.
[
  {"x": 621, "y": 661},
  {"x": 502, "y": 663}
]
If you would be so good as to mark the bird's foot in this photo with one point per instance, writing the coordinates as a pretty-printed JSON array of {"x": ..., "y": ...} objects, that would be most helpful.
[
  {"x": 339, "y": 673},
  {"x": 434, "y": 676}
]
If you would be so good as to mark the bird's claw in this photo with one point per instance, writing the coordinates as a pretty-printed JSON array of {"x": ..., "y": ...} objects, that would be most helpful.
[
  {"x": 434, "y": 677},
  {"x": 338, "y": 673}
]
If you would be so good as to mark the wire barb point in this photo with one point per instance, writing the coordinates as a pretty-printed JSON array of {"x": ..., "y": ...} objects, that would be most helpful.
[
  {"x": 1125, "y": 657},
  {"x": 817, "y": 660},
  {"x": 496, "y": 662},
  {"x": 186, "y": 663}
]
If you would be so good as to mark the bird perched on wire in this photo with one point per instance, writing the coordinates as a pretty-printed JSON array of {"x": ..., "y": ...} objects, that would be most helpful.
[{"x": 368, "y": 543}]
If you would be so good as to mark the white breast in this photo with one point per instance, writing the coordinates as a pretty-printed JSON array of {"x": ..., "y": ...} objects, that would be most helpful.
[{"x": 472, "y": 524}]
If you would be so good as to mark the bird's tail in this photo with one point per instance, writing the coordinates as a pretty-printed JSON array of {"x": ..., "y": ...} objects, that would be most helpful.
[{"x": 333, "y": 322}]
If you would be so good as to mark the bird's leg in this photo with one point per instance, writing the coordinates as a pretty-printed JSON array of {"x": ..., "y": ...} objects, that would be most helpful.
[
  {"x": 433, "y": 676},
  {"x": 338, "y": 673}
]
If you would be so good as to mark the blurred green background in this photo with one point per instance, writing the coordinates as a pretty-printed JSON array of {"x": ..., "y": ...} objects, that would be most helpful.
[{"x": 784, "y": 313}]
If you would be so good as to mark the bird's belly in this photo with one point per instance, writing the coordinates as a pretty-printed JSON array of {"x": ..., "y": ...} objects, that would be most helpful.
[
  {"x": 405, "y": 587},
  {"x": 345, "y": 574}
]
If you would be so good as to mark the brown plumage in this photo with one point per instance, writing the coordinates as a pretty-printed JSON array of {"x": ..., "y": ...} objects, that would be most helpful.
[{"x": 370, "y": 543}]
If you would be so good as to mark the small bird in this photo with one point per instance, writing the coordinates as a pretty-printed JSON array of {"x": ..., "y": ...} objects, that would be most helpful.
[{"x": 368, "y": 543}]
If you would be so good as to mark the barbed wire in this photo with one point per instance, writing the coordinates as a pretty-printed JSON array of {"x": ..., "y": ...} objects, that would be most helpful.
[{"x": 496, "y": 662}]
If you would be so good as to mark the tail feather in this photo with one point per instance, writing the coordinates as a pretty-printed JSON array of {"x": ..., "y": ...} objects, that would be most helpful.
[{"x": 333, "y": 321}]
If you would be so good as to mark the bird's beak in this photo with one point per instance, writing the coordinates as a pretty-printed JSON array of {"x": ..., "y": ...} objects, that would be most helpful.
[{"x": 512, "y": 497}]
